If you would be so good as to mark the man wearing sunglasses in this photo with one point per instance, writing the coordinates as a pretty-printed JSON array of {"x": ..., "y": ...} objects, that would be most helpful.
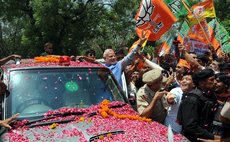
[{"x": 90, "y": 54}]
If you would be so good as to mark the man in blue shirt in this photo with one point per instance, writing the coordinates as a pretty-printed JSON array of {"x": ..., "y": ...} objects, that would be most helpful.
[{"x": 117, "y": 67}]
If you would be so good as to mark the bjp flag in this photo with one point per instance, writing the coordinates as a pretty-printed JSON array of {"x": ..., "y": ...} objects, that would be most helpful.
[
  {"x": 182, "y": 34},
  {"x": 219, "y": 36},
  {"x": 213, "y": 32},
  {"x": 201, "y": 11},
  {"x": 154, "y": 17},
  {"x": 166, "y": 45},
  {"x": 164, "y": 49},
  {"x": 183, "y": 31},
  {"x": 178, "y": 7}
]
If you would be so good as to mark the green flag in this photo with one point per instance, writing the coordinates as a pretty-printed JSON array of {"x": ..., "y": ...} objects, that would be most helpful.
[
  {"x": 221, "y": 35},
  {"x": 184, "y": 29},
  {"x": 177, "y": 7}
]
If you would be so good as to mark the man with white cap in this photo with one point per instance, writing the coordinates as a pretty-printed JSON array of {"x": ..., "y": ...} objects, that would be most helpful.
[{"x": 150, "y": 101}]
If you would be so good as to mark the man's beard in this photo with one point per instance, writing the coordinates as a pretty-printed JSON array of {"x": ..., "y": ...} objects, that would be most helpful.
[{"x": 114, "y": 62}]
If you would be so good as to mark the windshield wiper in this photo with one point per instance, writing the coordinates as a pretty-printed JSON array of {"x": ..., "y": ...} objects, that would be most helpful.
[
  {"x": 67, "y": 113},
  {"x": 30, "y": 123},
  {"x": 54, "y": 116},
  {"x": 104, "y": 134},
  {"x": 50, "y": 122},
  {"x": 3, "y": 129}
]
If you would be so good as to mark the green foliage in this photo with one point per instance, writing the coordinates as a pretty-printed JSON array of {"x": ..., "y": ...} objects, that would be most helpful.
[{"x": 222, "y": 8}]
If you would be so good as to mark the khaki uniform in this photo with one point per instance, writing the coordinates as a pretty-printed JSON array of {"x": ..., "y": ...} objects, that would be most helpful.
[{"x": 144, "y": 98}]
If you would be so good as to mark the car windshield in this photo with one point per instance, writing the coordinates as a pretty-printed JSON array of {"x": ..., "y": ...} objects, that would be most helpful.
[{"x": 35, "y": 91}]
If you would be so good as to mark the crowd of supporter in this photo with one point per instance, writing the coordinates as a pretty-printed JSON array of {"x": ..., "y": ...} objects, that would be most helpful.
[{"x": 188, "y": 91}]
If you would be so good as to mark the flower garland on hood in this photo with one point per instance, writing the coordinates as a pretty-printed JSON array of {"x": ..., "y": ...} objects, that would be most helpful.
[{"x": 105, "y": 111}]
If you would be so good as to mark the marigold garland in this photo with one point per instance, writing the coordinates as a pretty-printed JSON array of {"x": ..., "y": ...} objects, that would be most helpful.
[
  {"x": 105, "y": 111},
  {"x": 49, "y": 58}
]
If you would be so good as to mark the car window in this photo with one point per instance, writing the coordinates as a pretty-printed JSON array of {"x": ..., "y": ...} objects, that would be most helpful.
[{"x": 36, "y": 91}]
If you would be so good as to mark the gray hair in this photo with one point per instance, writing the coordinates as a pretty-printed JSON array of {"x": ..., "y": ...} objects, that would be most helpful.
[{"x": 106, "y": 52}]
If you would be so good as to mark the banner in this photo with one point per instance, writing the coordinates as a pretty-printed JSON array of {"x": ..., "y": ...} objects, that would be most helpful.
[
  {"x": 198, "y": 47},
  {"x": 201, "y": 11},
  {"x": 155, "y": 17},
  {"x": 177, "y": 7}
]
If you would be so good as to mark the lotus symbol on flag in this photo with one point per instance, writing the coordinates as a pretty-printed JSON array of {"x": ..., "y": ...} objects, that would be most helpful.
[
  {"x": 155, "y": 18},
  {"x": 199, "y": 11},
  {"x": 146, "y": 11}
]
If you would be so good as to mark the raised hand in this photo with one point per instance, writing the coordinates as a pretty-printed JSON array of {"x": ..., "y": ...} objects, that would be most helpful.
[
  {"x": 143, "y": 37},
  {"x": 170, "y": 98},
  {"x": 15, "y": 56}
]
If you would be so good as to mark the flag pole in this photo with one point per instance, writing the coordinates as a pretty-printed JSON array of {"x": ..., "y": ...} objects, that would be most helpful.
[{"x": 186, "y": 6}]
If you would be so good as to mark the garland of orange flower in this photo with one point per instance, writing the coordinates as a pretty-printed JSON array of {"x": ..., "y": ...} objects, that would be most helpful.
[
  {"x": 49, "y": 58},
  {"x": 105, "y": 111}
]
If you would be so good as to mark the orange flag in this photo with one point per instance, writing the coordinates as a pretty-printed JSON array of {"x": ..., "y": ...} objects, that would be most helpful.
[
  {"x": 201, "y": 11},
  {"x": 197, "y": 33},
  {"x": 155, "y": 17}
]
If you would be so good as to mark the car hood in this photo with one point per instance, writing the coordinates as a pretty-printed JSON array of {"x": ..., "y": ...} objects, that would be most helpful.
[{"x": 85, "y": 129}]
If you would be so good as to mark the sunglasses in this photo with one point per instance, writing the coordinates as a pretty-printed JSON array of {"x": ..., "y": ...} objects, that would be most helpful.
[{"x": 91, "y": 54}]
